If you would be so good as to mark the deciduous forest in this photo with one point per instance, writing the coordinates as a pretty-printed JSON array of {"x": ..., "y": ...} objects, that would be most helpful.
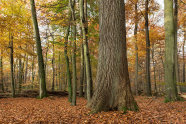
[{"x": 92, "y": 61}]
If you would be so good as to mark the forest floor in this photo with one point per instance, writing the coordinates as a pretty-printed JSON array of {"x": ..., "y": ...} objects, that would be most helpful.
[{"x": 57, "y": 110}]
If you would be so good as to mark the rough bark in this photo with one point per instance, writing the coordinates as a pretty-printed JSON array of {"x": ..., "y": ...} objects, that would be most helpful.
[
  {"x": 170, "y": 72},
  {"x": 113, "y": 90},
  {"x": 42, "y": 80},
  {"x": 84, "y": 25},
  {"x": 148, "y": 82}
]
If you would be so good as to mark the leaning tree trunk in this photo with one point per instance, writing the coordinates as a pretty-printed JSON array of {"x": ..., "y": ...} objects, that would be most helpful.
[
  {"x": 12, "y": 64},
  {"x": 136, "y": 48},
  {"x": 113, "y": 90},
  {"x": 148, "y": 82},
  {"x": 84, "y": 25},
  {"x": 42, "y": 84},
  {"x": 170, "y": 72}
]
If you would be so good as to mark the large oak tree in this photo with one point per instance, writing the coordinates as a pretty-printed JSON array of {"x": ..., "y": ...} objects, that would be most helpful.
[{"x": 113, "y": 90}]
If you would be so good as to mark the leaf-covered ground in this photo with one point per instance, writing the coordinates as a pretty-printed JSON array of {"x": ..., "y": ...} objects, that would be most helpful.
[{"x": 57, "y": 110}]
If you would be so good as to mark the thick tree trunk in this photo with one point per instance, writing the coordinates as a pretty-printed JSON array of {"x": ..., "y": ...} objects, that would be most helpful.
[
  {"x": 68, "y": 66},
  {"x": 136, "y": 48},
  {"x": 113, "y": 90},
  {"x": 148, "y": 82},
  {"x": 42, "y": 84},
  {"x": 81, "y": 72},
  {"x": 170, "y": 72},
  {"x": 84, "y": 25}
]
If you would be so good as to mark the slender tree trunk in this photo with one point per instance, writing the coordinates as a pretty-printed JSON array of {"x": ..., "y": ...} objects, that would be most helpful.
[
  {"x": 85, "y": 83},
  {"x": 56, "y": 75},
  {"x": 175, "y": 28},
  {"x": 84, "y": 25},
  {"x": 16, "y": 74},
  {"x": 159, "y": 78},
  {"x": 113, "y": 90},
  {"x": 12, "y": 64},
  {"x": 20, "y": 75},
  {"x": 65, "y": 82},
  {"x": 1, "y": 71},
  {"x": 60, "y": 72},
  {"x": 136, "y": 48},
  {"x": 68, "y": 67},
  {"x": 42, "y": 84},
  {"x": 81, "y": 72},
  {"x": 72, "y": 6},
  {"x": 184, "y": 54},
  {"x": 26, "y": 69},
  {"x": 176, "y": 42},
  {"x": 33, "y": 73},
  {"x": 170, "y": 72},
  {"x": 46, "y": 59},
  {"x": 53, "y": 64},
  {"x": 154, "y": 69},
  {"x": 148, "y": 82}
]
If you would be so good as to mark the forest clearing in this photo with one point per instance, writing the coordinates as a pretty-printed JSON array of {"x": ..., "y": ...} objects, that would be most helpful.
[{"x": 92, "y": 61}]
